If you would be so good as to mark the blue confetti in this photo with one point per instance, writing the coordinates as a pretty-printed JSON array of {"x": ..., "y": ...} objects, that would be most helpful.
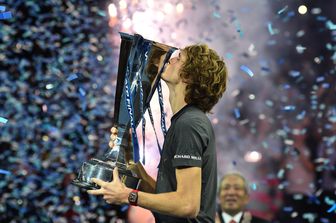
[
  {"x": 247, "y": 70},
  {"x": 325, "y": 85},
  {"x": 5, "y": 15},
  {"x": 229, "y": 55},
  {"x": 282, "y": 10},
  {"x": 301, "y": 115},
  {"x": 237, "y": 113},
  {"x": 288, "y": 209},
  {"x": 238, "y": 28},
  {"x": 124, "y": 208},
  {"x": 5, "y": 172},
  {"x": 331, "y": 25},
  {"x": 3, "y": 120},
  {"x": 270, "y": 28},
  {"x": 320, "y": 79},
  {"x": 294, "y": 73},
  {"x": 82, "y": 92},
  {"x": 253, "y": 186},
  {"x": 332, "y": 208},
  {"x": 321, "y": 18},
  {"x": 289, "y": 108},
  {"x": 216, "y": 15},
  {"x": 72, "y": 77}
]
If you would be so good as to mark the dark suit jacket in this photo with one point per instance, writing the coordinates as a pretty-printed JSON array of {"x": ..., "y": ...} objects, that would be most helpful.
[{"x": 253, "y": 220}]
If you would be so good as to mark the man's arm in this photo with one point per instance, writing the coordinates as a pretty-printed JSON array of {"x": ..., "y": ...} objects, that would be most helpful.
[{"x": 184, "y": 202}]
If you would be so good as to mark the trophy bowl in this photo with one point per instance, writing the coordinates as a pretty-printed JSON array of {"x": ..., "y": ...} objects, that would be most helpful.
[{"x": 103, "y": 170}]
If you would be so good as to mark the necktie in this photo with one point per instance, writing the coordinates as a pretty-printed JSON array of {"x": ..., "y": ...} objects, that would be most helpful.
[{"x": 232, "y": 221}]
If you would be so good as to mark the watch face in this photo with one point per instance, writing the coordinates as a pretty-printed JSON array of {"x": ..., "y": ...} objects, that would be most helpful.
[{"x": 133, "y": 196}]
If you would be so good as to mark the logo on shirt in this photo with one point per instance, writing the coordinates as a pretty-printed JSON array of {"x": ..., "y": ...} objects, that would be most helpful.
[{"x": 187, "y": 157}]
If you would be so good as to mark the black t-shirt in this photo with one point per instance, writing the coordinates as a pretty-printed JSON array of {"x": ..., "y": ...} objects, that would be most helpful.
[{"x": 190, "y": 142}]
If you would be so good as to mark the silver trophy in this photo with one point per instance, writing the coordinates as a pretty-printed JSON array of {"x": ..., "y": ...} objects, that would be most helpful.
[{"x": 141, "y": 63}]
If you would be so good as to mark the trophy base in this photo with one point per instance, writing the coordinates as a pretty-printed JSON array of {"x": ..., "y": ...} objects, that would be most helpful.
[{"x": 103, "y": 170}]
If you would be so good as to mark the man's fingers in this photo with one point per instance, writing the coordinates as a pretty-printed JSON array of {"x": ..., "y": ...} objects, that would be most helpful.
[
  {"x": 96, "y": 192},
  {"x": 107, "y": 197},
  {"x": 115, "y": 174},
  {"x": 99, "y": 182}
]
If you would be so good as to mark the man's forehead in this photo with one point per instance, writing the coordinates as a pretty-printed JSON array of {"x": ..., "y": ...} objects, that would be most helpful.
[
  {"x": 230, "y": 180},
  {"x": 176, "y": 53}
]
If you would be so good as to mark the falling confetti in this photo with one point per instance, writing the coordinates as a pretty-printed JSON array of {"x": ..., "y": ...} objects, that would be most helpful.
[
  {"x": 246, "y": 70},
  {"x": 3, "y": 120},
  {"x": 270, "y": 28},
  {"x": 332, "y": 208},
  {"x": 282, "y": 10},
  {"x": 5, "y": 172}
]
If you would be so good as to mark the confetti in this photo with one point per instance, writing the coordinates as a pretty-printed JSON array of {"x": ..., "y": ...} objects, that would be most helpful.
[
  {"x": 282, "y": 10},
  {"x": 332, "y": 208},
  {"x": 300, "y": 49},
  {"x": 72, "y": 77},
  {"x": 5, "y": 172},
  {"x": 270, "y": 28},
  {"x": 289, "y": 108},
  {"x": 247, "y": 70},
  {"x": 253, "y": 186},
  {"x": 237, "y": 113},
  {"x": 216, "y": 15},
  {"x": 3, "y": 120},
  {"x": 330, "y": 25},
  {"x": 294, "y": 73},
  {"x": 238, "y": 28},
  {"x": 229, "y": 56},
  {"x": 5, "y": 15}
]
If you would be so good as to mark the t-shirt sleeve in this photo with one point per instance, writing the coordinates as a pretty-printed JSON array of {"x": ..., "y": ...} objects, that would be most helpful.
[{"x": 190, "y": 138}]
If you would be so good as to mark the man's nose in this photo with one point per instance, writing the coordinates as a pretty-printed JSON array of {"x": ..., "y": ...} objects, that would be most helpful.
[{"x": 231, "y": 190}]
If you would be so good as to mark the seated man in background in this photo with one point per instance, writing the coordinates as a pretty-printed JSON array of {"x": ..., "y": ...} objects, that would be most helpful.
[{"x": 234, "y": 196}]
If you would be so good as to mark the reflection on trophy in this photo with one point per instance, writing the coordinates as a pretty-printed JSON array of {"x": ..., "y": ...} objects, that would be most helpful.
[{"x": 141, "y": 63}]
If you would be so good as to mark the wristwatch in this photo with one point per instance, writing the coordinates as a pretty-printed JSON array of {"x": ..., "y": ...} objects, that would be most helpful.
[{"x": 133, "y": 198}]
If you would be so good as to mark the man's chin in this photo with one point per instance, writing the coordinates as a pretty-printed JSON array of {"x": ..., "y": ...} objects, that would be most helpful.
[
  {"x": 231, "y": 210},
  {"x": 231, "y": 207}
]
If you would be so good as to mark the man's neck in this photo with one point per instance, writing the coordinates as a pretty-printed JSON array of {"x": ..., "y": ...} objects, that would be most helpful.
[{"x": 176, "y": 97}]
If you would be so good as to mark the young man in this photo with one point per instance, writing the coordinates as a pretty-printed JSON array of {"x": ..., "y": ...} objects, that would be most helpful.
[
  {"x": 234, "y": 196},
  {"x": 185, "y": 190}
]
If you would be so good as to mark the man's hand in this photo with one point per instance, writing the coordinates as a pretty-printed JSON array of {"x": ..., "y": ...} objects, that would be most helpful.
[
  {"x": 147, "y": 183},
  {"x": 114, "y": 192}
]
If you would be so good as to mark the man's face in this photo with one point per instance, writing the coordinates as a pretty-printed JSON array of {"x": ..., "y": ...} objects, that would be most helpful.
[
  {"x": 233, "y": 196},
  {"x": 171, "y": 73}
]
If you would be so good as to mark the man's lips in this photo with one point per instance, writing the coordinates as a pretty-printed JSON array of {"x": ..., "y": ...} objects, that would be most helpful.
[{"x": 231, "y": 200}]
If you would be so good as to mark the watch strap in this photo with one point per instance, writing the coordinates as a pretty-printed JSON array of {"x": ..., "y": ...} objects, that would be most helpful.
[{"x": 133, "y": 197}]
